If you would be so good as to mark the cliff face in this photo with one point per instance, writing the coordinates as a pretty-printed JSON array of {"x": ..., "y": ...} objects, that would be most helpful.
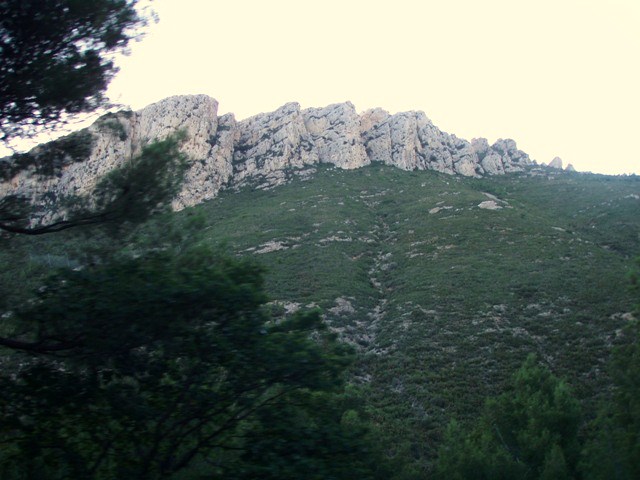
[{"x": 269, "y": 148}]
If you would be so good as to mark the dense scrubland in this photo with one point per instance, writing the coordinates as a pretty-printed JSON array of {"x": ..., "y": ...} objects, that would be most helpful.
[{"x": 375, "y": 323}]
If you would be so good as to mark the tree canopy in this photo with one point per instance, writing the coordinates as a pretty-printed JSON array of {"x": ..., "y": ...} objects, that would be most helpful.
[
  {"x": 142, "y": 368},
  {"x": 128, "y": 194},
  {"x": 528, "y": 432},
  {"x": 56, "y": 58},
  {"x": 613, "y": 452}
]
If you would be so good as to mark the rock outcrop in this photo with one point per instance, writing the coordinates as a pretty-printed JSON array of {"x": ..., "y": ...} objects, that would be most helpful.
[
  {"x": 335, "y": 133},
  {"x": 556, "y": 163},
  {"x": 267, "y": 149}
]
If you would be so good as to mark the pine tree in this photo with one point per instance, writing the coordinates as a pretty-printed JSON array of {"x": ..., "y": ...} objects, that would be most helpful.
[{"x": 528, "y": 432}]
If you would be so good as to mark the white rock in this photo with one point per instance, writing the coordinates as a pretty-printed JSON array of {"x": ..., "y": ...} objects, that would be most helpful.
[
  {"x": 269, "y": 148},
  {"x": 556, "y": 163},
  {"x": 513, "y": 160},
  {"x": 206, "y": 177},
  {"x": 118, "y": 137},
  {"x": 335, "y": 131},
  {"x": 270, "y": 145},
  {"x": 376, "y": 135},
  {"x": 489, "y": 205}
]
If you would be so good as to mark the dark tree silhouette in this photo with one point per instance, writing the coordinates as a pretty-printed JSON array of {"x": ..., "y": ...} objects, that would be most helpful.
[{"x": 55, "y": 58}]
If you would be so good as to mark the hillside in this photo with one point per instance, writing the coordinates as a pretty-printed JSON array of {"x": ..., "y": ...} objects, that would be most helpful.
[
  {"x": 266, "y": 150},
  {"x": 443, "y": 298},
  {"x": 442, "y": 283}
]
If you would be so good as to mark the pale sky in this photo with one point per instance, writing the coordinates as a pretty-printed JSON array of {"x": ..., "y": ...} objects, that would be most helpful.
[{"x": 561, "y": 77}]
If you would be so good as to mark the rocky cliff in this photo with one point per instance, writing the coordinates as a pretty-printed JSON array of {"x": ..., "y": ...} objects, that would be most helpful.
[{"x": 264, "y": 150}]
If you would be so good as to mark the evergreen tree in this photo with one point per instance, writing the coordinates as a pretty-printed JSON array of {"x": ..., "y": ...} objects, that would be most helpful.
[
  {"x": 614, "y": 451},
  {"x": 127, "y": 195},
  {"x": 147, "y": 367},
  {"x": 56, "y": 58},
  {"x": 528, "y": 432}
]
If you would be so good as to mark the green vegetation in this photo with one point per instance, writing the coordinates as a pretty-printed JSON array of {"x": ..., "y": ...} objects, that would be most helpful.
[
  {"x": 55, "y": 59},
  {"x": 49, "y": 159},
  {"x": 150, "y": 367},
  {"x": 447, "y": 305},
  {"x": 613, "y": 450},
  {"x": 442, "y": 300},
  {"x": 530, "y": 431},
  {"x": 144, "y": 355},
  {"x": 127, "y": 195}
]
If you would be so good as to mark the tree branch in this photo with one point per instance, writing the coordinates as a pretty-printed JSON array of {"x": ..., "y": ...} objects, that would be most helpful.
[
  {"x": 40, "y": 346},
  {"x": 57, "y": 226}
]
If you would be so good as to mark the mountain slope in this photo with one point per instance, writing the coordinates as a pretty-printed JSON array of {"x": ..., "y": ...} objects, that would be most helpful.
[{"x": 444, "y": 283}]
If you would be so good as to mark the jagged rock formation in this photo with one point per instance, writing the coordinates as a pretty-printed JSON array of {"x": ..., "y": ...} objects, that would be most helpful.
[
  {"x": 271, "y": 145},
  {"x": 335, "y": 131},
  {"x": 269, "y": 148},
  {"x": 556, "y": 163}
]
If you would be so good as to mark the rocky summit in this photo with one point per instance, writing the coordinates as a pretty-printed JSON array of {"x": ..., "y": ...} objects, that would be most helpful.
[{"x": 266, "y": 149}]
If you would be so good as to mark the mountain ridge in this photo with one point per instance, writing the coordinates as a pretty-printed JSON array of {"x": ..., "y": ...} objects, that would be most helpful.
[
  {"x": 443, "y": 284},
  {"x": 264, "y": 150}
]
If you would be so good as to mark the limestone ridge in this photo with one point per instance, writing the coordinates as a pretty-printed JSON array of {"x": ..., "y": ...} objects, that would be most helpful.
[{"x": 270, "y": 148}]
